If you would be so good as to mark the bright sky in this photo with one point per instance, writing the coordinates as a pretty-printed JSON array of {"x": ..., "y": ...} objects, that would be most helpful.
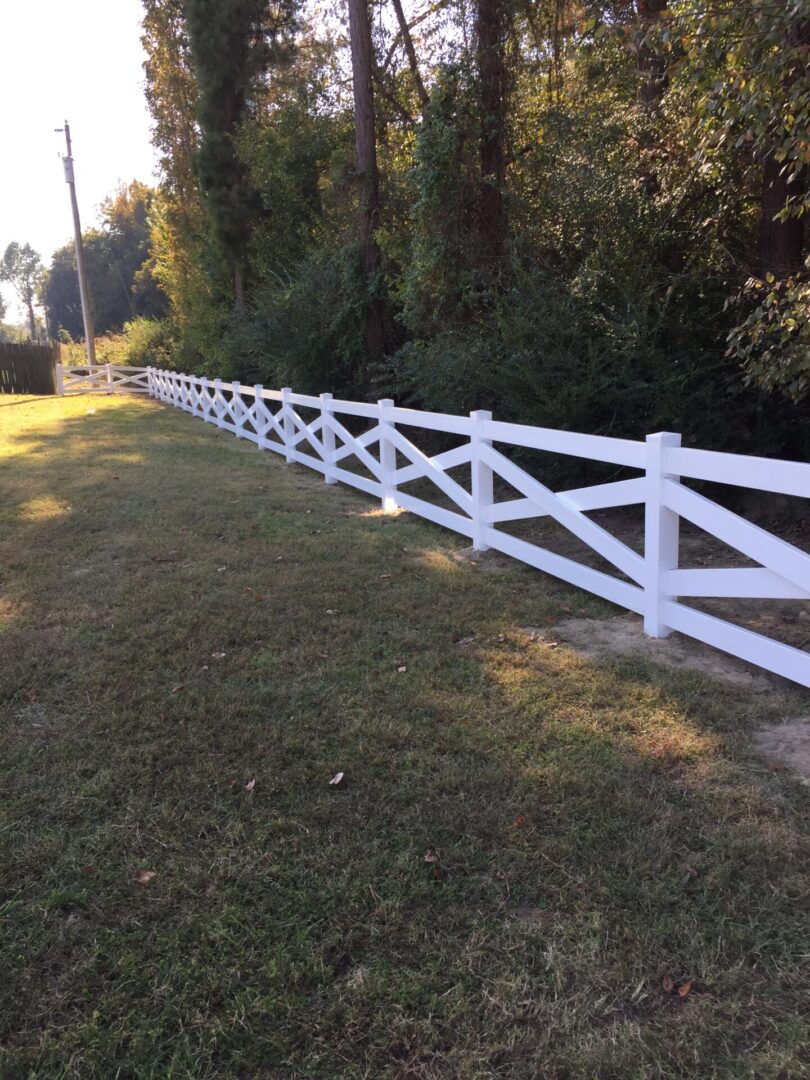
[{"x": 79, "y": 59}]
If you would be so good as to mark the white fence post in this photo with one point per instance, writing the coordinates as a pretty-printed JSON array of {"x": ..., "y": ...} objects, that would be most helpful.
[
  {"x": 60, "y": 381},
  {"x": 328, "y": 439},
  {"x": 237, "y": 403},
  {"x": 108, "y": 369},
  {"x": 218, "y": 402},
  {"x": 287, "y": 424},
  {"x": 259, "y": 411},
  {"x": 388, "y": 457},
  {"x": 661, "y": 534},
  {"x": 482, "y": 479}
]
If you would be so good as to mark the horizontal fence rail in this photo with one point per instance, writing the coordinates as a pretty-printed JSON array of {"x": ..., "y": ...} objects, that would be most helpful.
[
  {"x": 651, "y": 584},
  {"x": 103, "y": 379}
]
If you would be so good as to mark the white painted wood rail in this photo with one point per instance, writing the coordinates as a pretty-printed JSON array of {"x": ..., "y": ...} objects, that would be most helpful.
[
  {"x": 651, "y": 583},
  {"x": 103, "y": 379}
]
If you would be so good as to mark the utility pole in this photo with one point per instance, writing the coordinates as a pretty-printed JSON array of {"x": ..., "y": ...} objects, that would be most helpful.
[{"x": 87, "y": 314}]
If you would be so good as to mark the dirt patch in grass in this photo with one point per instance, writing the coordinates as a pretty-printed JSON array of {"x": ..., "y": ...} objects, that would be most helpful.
[
  {"x": 184, "y": 894},
  {"x": 787, "y": 746},
  {"x": 599, "y": 639}
]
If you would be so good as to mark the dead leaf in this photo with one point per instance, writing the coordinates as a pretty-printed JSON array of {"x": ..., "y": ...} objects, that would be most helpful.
[
  {"x": 519, "y": 820},
  {"x": 383, "y": 576},
  {"x": 551, "y": 644},
  {"x": 221, "y": 568},
  {"x": 437, "y": 871},
  {"x": 331, "y": 611},
  {"x": 143, "y": 877},
  {"x": 432, "y": 856},
  {"x": 668, "y": 984},
  {"x": 337, "y": 779},
  {"x": 88, "y": 869},
  {"x": 217, "y": 655},
  {"x": 684, "y": 988},
  {"x": 464, "y": 641},
  {"x": 178, "y": 688},
  {"x": 402, "y": 669},
  {"x": 280, "y": 558},
  {"x": 251, "y": 784},
  {"x": 690, "y": 871},
  {"x": 475, "y": 566}
]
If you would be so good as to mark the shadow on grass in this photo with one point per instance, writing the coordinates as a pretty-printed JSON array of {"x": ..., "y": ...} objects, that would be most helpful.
[{"x": 204, "y": 617}]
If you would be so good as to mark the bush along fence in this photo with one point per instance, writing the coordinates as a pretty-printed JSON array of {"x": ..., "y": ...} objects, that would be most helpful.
[
  {"x": 651, "y": 584},
  {"x": 27, "y": 368}
]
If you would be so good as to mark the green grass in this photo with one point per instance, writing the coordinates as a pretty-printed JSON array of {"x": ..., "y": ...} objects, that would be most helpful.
[{"x": 599, "y": 826}]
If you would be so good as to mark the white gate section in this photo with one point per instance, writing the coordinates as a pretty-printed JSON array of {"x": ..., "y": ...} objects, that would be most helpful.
[
  {"x": 653, "y": 585},
  {"x": 103, "y": 379}
]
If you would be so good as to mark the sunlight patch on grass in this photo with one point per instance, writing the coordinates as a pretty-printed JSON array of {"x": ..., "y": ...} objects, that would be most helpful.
[{"x": 42, "y": 508}]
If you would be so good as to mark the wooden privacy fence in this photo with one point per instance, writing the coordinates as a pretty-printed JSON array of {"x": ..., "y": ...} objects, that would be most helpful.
[
  {"x": 651, "y": 583},
  {"x": 103, "y": 379},
  {"x": 27, "y": 368}
]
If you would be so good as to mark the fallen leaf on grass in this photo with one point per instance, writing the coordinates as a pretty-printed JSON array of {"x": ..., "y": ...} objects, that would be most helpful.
[
  {"x": 143, "y": 877},
  {"x": 519, "y": 820},
  {"x": 437, "y": 871},
  {"x": 251, "y": 784},
  {"x": 88, "y": 869},
  {"x": 464, "y": 641},
  {"x": 684, "y": 988},
  {"x": 475, "y": 566},
  {"x": 402, "y": 669},
  {"x": 217, "y": 655},
  {"x": 337, "y": 779},
  {"x": 331, "y": 611},
  {"x": 432, "y": 856},
  {"x": 178, "y": 688}
]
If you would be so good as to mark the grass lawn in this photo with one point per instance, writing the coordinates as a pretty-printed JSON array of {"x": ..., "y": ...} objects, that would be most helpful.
[{"x": 195, "y": 638}]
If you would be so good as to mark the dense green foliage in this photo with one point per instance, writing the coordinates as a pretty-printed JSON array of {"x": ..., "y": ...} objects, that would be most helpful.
[
  {"x": 591, "y": 213},
  {"x": 117, "y": 260}
]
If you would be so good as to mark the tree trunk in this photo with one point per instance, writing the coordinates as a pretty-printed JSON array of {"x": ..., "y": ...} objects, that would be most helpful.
[
  {"x": 490, "y": 32},
  {"x": 407, "y": 41},
  {"x": 652, "y": 68},
  {"x": 239, "y": 288},
  {"x": 781, "y": 243},
  {"x": 366, "y": 146},
  {"x": 32, "y": 323}
]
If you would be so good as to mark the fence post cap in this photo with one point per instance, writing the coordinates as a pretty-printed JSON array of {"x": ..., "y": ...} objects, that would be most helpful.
[{"x": 668, "y": 438}]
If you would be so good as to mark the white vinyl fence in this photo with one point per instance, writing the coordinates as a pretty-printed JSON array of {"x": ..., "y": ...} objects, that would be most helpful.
[
  {"x": 103, "y": 379},
  {"x": 651, "y": 584}
]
